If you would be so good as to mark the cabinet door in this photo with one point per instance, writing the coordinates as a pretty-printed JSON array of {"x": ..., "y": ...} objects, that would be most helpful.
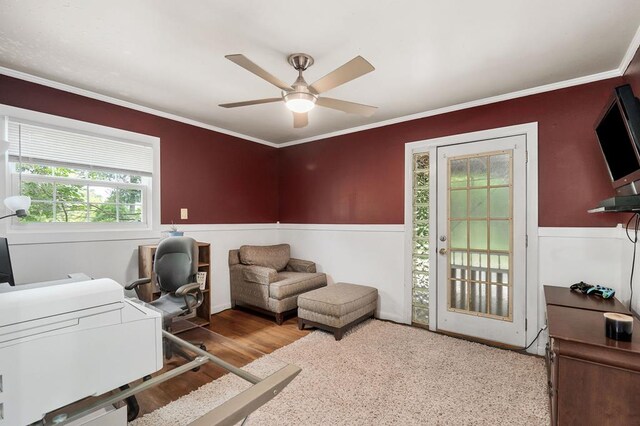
[{"x": 592, "y": 393}]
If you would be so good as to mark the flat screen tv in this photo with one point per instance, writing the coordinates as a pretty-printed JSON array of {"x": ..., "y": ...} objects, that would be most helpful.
[
  {"x": 618, "y": 132},
  {"x": 6, "y": 272}
]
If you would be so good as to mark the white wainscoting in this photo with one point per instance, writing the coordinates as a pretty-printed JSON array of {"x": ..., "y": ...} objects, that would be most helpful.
[
  {"x": 361, "y": 254},
  {"x": 365, "y": 254},
  {"x": 118, "y": 259},
  {"x": 374, "y": 255},
  {"x": 593, "y": 255}
]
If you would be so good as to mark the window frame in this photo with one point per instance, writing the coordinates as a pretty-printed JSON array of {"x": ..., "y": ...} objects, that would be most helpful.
[{"x": 26, "y": 233}]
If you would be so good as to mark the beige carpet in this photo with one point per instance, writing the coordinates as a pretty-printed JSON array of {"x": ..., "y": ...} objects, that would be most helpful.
[{"x": 386, "y": 374}]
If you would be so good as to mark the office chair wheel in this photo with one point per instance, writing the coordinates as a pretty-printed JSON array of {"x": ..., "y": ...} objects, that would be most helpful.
[
  {"x": 203, "y": 347},
  {"x": 133, "y": 409}
]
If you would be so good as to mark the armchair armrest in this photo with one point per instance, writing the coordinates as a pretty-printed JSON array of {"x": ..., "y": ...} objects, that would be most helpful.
[
  {"x": 299, "y": 265},
  {"x": 260, "y": 274},
  {"x": 137, "y": 282},
  {"x": 192, "y": 295}
]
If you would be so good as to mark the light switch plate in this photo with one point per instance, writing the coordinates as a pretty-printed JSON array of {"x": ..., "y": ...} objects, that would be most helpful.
[{"x": 184, "y": 213}]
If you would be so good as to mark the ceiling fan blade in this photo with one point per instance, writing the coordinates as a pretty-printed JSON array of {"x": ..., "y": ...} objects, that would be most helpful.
[
  {"x": 245, "y": 63},
  {"x": 353, "y": 69},
  {"x": 247, "y": 103},
  {"x": 350, "y": 107},
  {"x": 300, "y": 119}
]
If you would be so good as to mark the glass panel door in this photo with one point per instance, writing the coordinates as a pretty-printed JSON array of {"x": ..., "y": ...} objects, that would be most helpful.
[
  {"x": 480, "y": 228},
  {"x": 481, "y": 246}
]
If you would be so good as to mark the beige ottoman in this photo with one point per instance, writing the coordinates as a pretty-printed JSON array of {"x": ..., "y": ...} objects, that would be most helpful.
[{"x": 336, "y": 308}]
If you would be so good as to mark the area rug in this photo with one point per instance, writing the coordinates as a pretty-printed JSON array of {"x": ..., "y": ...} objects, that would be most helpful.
[{"x": 382, "y": 373}]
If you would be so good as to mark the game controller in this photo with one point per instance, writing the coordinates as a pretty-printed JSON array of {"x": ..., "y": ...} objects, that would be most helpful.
[{"x": 596, "y": 290}]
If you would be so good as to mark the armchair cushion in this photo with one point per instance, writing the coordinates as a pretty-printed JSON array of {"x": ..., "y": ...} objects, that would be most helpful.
[
  {"x": 259, "y": 274},
  {"x": 299, "y": 265},
  {"x": 275, "y": 257},
  {"x": 294, "y": 283}
]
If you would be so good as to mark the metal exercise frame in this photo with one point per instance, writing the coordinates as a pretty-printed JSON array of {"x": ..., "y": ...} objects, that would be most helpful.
[{"x": 228, "y": 413}]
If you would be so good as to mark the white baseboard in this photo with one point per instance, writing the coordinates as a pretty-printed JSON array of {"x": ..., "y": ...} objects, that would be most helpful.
[
  {"x": 220, "y": 307},
  {"x": 390, "y": 317}
]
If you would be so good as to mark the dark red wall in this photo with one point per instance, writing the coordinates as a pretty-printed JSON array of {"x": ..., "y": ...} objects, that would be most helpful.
[
  {"x": 219, "y": 178},
  {"x": 355, "y": 178},
  {"x": 359, "y": 177}
]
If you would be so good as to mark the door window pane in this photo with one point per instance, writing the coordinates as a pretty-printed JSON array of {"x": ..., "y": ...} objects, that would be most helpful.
[
  {"x": 500, "y": 169},
  {"x": 500, "y": 203},
  {"x": 479, "y": 259},
  {"x": 458, "y": 172},
  {"x": 500, "y": 237},
  {"x": 458, "y": 294},
  {"x": 458, "y": 234},
  {"x": 499, "y": 300},
  {"x": 478, "y": 234},
  {"x": 458, "y": 204},
  {"x": 478, "y": 171},
  {"x": 478, "y": 203},
  {"x": 478, "y": 297}
]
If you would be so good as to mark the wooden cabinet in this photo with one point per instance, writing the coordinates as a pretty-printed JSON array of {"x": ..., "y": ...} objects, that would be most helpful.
[
  {"x": 151, "y": 291},
  {"x": 593, "y": 380}
]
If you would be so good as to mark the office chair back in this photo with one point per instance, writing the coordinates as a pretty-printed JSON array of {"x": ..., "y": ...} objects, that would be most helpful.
[{"x": 176, "y": 263}]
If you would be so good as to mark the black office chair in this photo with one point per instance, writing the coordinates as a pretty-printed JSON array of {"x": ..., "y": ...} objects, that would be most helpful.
[{"x": 176, "y": 267}]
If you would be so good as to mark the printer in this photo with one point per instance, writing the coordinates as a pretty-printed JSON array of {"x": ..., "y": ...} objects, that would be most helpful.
[{"x": 62, "y": 342}]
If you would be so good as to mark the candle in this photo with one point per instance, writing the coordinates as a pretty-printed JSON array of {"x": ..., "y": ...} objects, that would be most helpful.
[{"x": 618, "y": 326}]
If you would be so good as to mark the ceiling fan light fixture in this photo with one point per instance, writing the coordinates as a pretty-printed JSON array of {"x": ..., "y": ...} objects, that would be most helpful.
[{"x": 300, "y": 101}]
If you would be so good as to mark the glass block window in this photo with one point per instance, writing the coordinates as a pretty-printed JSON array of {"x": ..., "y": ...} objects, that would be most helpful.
[{"x": 420, "y": 265}]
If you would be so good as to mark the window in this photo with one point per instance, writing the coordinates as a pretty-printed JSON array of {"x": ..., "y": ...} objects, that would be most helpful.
[
  {"x": 79, "y": 173},
  {"x": 420, "y": 246},
  {"x": 64, "y": 194}
]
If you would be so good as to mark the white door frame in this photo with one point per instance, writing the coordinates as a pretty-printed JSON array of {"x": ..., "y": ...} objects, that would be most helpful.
[{"x": 530, "y": 131}]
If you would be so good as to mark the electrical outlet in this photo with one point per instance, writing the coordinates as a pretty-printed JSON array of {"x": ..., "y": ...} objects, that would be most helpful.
[{"x": 184, "y": 213}]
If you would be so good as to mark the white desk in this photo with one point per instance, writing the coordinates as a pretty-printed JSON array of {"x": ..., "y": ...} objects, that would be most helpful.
[{"x": 64, "y": 341}]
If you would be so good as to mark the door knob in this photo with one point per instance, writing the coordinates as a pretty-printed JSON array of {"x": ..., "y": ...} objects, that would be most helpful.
[{"x": 442, "y": 251}]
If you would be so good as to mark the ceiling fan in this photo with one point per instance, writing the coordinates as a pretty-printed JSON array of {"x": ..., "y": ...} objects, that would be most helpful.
[{"x": 300, "y": 97}]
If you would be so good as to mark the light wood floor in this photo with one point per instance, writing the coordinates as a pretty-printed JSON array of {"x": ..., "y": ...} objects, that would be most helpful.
[{"x": 253, "y": 334}]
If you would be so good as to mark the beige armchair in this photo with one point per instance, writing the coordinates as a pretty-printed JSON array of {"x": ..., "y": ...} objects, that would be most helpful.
[{"x": 267, "y": 279}]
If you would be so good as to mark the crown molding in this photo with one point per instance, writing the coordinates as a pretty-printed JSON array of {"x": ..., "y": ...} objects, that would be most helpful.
[
  {"x": 617, "y": 72},
  {"x": 479, "y": 102},
  {"x": 630, "y": 53},
  {"x": 115, "y": 101}
]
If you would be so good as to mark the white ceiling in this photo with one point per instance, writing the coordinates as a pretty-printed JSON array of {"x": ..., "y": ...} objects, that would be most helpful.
[{"x": 169, "y": 55}]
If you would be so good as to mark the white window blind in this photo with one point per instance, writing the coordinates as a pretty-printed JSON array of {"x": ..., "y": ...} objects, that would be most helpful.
[{"x": 38, "y": 144}]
